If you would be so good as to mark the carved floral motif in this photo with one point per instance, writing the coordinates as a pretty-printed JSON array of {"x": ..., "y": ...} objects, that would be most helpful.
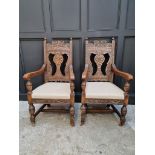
[
  {"x": 58, "y": 59},
  {"x": 58, "y": 45},
  {"x": 99, "y": 59}
]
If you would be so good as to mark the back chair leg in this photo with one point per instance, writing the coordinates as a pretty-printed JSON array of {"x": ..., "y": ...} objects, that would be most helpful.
[
  {"x": 83, "y": 114},
  {"x": 72, "y": 112},
  {"x": 123, "y": 114},
  {"x": 32, "y": 112}
]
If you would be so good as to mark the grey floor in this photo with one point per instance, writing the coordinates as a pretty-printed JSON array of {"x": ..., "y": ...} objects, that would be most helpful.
[{"x": 52, "y": 134}]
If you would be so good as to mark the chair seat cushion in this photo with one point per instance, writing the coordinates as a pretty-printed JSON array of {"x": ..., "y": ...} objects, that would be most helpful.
[
  {"x": 52, "y": 90},
  {"x": 103, "y": 90}
]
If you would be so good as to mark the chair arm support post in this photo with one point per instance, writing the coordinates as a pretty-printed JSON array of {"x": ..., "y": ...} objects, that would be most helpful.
[
  {"x": 128, "y": 77},
  {"x": 30, "y": 75},
  {"x": 126, "y": 92},
  {"x": 29, "y": 91}
]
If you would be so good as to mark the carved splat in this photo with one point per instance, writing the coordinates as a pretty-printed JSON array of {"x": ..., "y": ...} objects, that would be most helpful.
[
  {"x": 58, "y": 59},
  {"x": 54, "y": 61},
  {"x": 99, "y": 56},
  {"x": 99, "y": 59},
  {"x": 58, "y": 55}
]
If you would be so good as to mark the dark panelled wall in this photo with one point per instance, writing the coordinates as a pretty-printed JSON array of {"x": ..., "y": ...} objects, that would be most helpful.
[{"x": 77, "y": 19}]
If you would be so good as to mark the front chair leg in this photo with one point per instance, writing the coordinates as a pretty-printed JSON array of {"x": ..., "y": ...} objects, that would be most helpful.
[
  {"x": 29, "y": 97},
  {"x": 83, "y": 114},
  {"x": 32, "y": 112},
  {"x": 72, "y": 111},
  {"x": 123, "y": 114}
]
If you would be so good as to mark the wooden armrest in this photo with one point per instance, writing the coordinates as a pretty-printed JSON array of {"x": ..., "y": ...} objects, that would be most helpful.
[
  {"x": 30, "y": 75},
  {"x": 124, "y": 75},
  {"x": 71, "y": 73},
  {"x": 85, "y": 73}
]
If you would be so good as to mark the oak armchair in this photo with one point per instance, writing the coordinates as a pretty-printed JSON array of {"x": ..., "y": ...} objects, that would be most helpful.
[
  {"x": 58, "y": 77},
  {"x": 97, "y": 80}
]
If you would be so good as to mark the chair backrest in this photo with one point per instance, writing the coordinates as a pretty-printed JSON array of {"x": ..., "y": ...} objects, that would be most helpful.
[
  {"x": 58, "y": 57},
  {"x": 100, "y": 56}
]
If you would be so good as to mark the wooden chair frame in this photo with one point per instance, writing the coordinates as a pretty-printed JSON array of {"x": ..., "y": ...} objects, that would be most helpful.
[
  {"x": 103, "y": 47},
  {"x": 58, "y": 48}
]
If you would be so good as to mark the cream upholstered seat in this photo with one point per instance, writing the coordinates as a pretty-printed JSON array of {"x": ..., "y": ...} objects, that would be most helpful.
[
  {"x": 103, "y": 90},
  {"x": 52, "y": 90}
]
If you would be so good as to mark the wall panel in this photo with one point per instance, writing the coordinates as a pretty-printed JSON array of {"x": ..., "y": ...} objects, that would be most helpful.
[
  {"x": 31, "y": 16},
  {"x": 65, "y": 15},
  {"x": 103, "y": 14},
  {"x": 130, "y": 19}
]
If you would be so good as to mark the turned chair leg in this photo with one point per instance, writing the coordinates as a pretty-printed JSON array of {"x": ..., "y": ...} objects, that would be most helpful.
[
  {"x": 72, "y": 112},
  {"x": 32, "y": 112},
  {"x": 123, "y": 114},
  {"x": 83, "y": 114}
]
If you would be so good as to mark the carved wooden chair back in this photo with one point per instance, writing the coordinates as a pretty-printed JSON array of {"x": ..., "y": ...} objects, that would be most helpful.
[
  {"x": 100, "y": 55},
  {"x": 58, "y": 57}
]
